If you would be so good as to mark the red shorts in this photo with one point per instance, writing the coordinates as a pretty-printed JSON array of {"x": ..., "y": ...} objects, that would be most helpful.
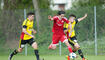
[{"x": 56, "y": 38}]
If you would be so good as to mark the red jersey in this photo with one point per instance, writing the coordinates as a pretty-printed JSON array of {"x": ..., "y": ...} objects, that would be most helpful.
[{"x": 58, "y": 25}]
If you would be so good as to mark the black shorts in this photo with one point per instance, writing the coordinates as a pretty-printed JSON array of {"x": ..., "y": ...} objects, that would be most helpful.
[
  {"x": 23, "y": 42},
  {"x": 73, "y": 40}
]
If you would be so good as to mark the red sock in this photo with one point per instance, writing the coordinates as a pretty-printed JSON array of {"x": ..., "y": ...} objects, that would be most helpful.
[
  {"x": 70, "y": 49},
  {"x": 68, "y": 57}
]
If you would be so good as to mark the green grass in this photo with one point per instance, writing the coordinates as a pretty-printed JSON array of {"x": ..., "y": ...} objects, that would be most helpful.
[{"x": 50, "y": 57}]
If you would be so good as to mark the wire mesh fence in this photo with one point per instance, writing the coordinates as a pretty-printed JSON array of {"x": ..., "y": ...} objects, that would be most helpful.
[{"x": 11, "y": 21}]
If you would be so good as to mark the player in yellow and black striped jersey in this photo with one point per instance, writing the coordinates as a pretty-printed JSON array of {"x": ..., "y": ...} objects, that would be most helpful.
[
  {"x": 70, "y": 33},
  {"x": 26, "y": 36}
]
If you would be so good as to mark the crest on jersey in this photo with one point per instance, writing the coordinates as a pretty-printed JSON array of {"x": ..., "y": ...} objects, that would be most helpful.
[{"x": 62, "y": 21}]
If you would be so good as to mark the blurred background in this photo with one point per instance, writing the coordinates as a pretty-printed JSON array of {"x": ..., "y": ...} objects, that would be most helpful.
[{"x": 90, "y": 32}]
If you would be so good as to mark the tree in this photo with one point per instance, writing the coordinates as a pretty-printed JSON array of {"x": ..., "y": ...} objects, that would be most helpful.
[
  {"x": 21, "y": 4},
  {"x": 37, "y": 14},
  {"x": 88, "y": 2}
]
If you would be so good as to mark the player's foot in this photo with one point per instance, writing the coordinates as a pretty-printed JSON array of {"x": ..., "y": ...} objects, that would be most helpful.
[
  {"x": 10, "y": 57},
  {"x": 84, "y": 59},
  {"x": 50, "y": 47},
  {"x": 41, "y": 59}
]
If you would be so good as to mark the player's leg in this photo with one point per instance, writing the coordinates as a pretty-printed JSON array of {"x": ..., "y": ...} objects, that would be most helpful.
[
  {"x": 35, "y": 47},
  {"x": 55, "y": 41},
  {"x": 65, "y": 40},
  {"x": 69, "y": 47},
  {"x": 52, "y": 46},
  {"x": 74, "y": 43},
  {"x": 81, "y": 54},
  {"x": 76, "y": 47},
  {"x": 21, "y": 46}
]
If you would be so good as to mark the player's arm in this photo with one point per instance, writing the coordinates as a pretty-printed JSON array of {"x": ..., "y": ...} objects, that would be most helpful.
[
  {"x": 67, "y": 28},
  {"x": 24, "y": 30},
  {"x": 82, "y": 18},
  {"x": 50, "y": 18},
  {"x": 71, "y": 30}
]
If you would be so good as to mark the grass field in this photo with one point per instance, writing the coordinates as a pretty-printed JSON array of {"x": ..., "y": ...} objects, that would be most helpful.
[{"x": 21, "y": 57}]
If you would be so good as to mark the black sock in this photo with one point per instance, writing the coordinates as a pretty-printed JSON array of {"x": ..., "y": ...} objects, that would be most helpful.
[
  {"x": 37, "y": 54},
  {"x": 80, "y": 53},
  {"x": 13, "y": 53}
]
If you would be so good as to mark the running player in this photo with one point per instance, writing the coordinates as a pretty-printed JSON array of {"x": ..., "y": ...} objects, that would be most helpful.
[
  {"x": 70, "y": 33},
  {"x": 58, "y": 33},
  {"x": 26, "y": 36}
]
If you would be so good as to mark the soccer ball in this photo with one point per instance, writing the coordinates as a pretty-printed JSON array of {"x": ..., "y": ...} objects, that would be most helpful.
[{"x": 72, "y": 55}]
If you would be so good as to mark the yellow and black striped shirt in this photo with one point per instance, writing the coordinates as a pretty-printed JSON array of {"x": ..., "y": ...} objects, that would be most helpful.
[
  {"x": 73, "y": 25},
  {"x": 28, "y": 25}
]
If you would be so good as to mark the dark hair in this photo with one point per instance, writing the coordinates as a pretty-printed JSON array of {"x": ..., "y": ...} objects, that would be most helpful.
[
  {"x": 61, "y": 12},
  {"x": 30, "y": 13},
  {"x": 72, "y": 15}
]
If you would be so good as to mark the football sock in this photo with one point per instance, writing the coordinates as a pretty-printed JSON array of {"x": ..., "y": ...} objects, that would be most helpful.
[
  {"x": 80, "y": 53},
  {"x": 70, "y": 49},
  {"x": 14, "y": 53},
  {"x": 68, "y": 57},
  {"x": 37, "y": 54}
]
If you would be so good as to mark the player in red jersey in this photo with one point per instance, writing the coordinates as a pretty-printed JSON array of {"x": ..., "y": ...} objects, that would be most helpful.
[{"x": 58, "y": 33}]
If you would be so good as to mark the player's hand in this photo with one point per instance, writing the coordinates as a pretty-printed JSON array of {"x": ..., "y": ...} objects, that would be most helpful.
[
  {"x": 32, "y": 36},
  {"x": 86, "y": 15},
  {"x": 49, "y": 17},
  {"x": 34, "y": 32}
]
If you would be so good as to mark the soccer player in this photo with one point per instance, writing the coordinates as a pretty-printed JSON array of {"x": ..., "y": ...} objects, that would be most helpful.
[
  {"x": 58, "y": 33},
  {"x": 27, "y": 37},
  {"x": 70, "y": 33}
]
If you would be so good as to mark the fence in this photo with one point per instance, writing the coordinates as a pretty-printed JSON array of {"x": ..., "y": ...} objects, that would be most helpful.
[{"x": 10, "y": 29}]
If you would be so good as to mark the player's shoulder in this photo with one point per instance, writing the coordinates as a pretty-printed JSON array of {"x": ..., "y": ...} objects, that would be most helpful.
[
  {"x": 65, "y": 24},
  {"x": 65, "y": 18},
  {"x": 25, "y": 22},
  {"x": 55, "y": 17},
  {"x": 76, "y": 21}
]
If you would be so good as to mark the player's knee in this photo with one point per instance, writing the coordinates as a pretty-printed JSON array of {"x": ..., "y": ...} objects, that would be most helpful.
[
  {"x": 67, "y": 43},
  {"x": 34, "y": 45},
  {"x": 77, "y": 46},
  {"x": 20, "y": 50},
  {"x": 54, "y": 47}
]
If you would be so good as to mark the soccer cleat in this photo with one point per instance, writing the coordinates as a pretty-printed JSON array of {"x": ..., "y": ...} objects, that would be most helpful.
[
  {"x": 68, "y": 57},
  {"x": 50, "y": 47},
  {"x": 41, "y": 59},
  {"x": 10, "y": 57},
  {"x": 84, "y": 59}
]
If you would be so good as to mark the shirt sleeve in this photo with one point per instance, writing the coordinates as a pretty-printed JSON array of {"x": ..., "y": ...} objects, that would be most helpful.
[
  {"x": 66, "y": 20},
  {"x": 76, "y": 21},
  {"x": 65, "y": 26},
  {"x": 24, "y": 25},
  {"x": 55, "y": 18}
]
